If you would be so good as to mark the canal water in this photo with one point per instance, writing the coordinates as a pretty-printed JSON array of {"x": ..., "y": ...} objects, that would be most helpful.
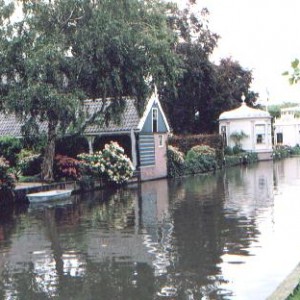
[{"x": 231, "y": 235}]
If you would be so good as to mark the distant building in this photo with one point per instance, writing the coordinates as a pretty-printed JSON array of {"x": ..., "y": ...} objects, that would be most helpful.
[
  {"x": 287, "y": 127},
  {"x": 256, "y": 126}
]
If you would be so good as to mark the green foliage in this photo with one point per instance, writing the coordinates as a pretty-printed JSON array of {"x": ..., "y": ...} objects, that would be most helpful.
[
  {"x": 200, "y": 158},
  {"x": 228, "y": 151},
  {"x": 7, "y": 180},
  {"x": 236, "y": 149},
  {"x": 294, "y": 74},
  {"x": 237, "y": 137},
  {"x": 202, "y": 150},
  {"x": 66, "y": 168},
  {"x": 62, "y": 52},
  {"x": 29, "y": 162},
  {"x": 111, "y": 164},
  {"x": 185, "y": 142},
  {"x": 295, "y": 295},
  {"x": 175, "y": 161},
  {"x": 9, "y": 148},
  {"x": 242, "y": 158},
  {"x": 280, "y": 152},
  {"x": 295, "y": 150}
]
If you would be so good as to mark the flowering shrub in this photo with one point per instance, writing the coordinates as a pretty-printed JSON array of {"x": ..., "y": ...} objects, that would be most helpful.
[
  {"x": 92, "y": 164},
  {"x": 29, "y": 162},
  {"x": 203, "y": 150},
  {"x": 7, "y": 180},
  {"x": 175, "y": 161},
  {"x": 66, "y": 167},
  {"x": 111, "y": 163}
]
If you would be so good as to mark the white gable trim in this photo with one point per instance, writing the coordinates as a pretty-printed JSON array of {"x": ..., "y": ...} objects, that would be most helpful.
[{"x": 153, "y": 99}]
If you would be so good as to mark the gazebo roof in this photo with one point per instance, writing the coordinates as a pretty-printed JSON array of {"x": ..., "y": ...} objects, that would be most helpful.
[{"x": 244, "y": 112}]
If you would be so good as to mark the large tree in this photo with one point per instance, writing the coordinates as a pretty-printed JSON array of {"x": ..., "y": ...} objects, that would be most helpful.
[
  {"x": 188, "y": 107},
  {"x": 204, "y": 89},
  {"x": 233, "y": 82},
  {"x": 63, "y": 51}
]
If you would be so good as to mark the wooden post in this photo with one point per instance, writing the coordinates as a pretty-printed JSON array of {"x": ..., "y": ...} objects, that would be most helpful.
[
  {"x": 133, "y": 148},
  {"x": 91, "y": 141}
]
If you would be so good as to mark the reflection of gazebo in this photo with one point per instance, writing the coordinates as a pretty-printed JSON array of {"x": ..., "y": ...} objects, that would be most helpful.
[{"x": 256, "y": 126}]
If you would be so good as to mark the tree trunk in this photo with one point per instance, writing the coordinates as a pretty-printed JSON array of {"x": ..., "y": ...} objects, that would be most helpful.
[{"x": 47, "y": 165}]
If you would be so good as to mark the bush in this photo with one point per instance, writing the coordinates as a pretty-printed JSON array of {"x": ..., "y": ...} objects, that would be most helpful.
[
  {"x": 29, "y": 162},
  {"x": 200, "y": 159},
  {"x": 66, "y": 167},
  {"x": 228, "y": 151},
  {"x": 295, "y": 150},
  {"x": 201, "y": 150},
  {"x": 185, "y": 143},
  {"x": 7, "y": 180},
  {"x": 243, "y": 158},
  {"x": 236, "y": 150},
  {"x": 280, "y": 152},
  {"x": 175, "y": 160},
  {"x": 110, "y": 164},
  {"x": 9, "y": 148}
]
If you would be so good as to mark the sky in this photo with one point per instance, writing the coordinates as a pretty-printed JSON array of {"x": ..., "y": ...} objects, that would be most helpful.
[{"x": 263, "y": 36}]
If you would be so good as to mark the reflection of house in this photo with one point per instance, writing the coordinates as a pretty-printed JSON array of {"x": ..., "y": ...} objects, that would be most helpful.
[
  {"x": 255, "y": 123},
  {"x": 143, "y": 137},
  {"x": 287, "y": 127}
]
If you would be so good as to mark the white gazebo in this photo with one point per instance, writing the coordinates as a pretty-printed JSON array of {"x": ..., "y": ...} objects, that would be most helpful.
[{"x": 253, "y": 125}]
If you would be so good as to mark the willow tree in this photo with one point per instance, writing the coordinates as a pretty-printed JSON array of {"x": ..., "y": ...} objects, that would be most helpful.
[{"x": 64, "y": 51}]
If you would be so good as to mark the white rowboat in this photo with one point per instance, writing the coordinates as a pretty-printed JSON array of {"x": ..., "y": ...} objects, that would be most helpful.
[{"x": 48, "y": 195}]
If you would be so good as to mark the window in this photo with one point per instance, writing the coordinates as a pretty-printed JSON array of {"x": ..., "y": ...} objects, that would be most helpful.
[
  {"x": 160, "y": 140},
  {"x": 260, "y": 131},
  {"x": 259, "y": 139},
  {"x": 279, "y": 138},
  {"x": 154, "y": 119}
]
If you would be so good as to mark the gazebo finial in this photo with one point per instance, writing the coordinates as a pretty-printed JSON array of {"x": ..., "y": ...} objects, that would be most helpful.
[{"x": 243, "y": 98}]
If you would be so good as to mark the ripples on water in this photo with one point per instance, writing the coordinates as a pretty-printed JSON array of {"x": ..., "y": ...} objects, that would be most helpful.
[{"x": 232, "y": 235}]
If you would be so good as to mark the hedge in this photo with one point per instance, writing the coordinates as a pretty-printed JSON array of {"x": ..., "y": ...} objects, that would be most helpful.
[{"x": 185, "y": 142}]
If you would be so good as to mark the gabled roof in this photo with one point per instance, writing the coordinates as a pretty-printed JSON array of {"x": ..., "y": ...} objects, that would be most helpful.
[
  {"x": 129, "y": 119},
  {"x": 153, "y": 99},
  {"x": 9, "y": 125}
]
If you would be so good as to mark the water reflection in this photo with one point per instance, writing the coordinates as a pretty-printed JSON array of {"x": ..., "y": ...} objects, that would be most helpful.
[{"x": 200, "y": 237}]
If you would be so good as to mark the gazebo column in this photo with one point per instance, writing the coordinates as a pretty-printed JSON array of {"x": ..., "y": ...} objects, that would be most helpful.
[
  {"x": 253, "y": 135},
  {"x": 133, "y": 148},
  {"x": 90, "y": 140}
]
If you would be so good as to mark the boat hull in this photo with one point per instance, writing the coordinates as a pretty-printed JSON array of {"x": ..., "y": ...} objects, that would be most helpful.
[{"x": 48, "y": 196}]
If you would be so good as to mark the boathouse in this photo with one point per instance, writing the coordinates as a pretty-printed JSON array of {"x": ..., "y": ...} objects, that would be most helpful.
[
  {"x": 253, "y": 126},
  {"x": 143, "y": 137}
]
